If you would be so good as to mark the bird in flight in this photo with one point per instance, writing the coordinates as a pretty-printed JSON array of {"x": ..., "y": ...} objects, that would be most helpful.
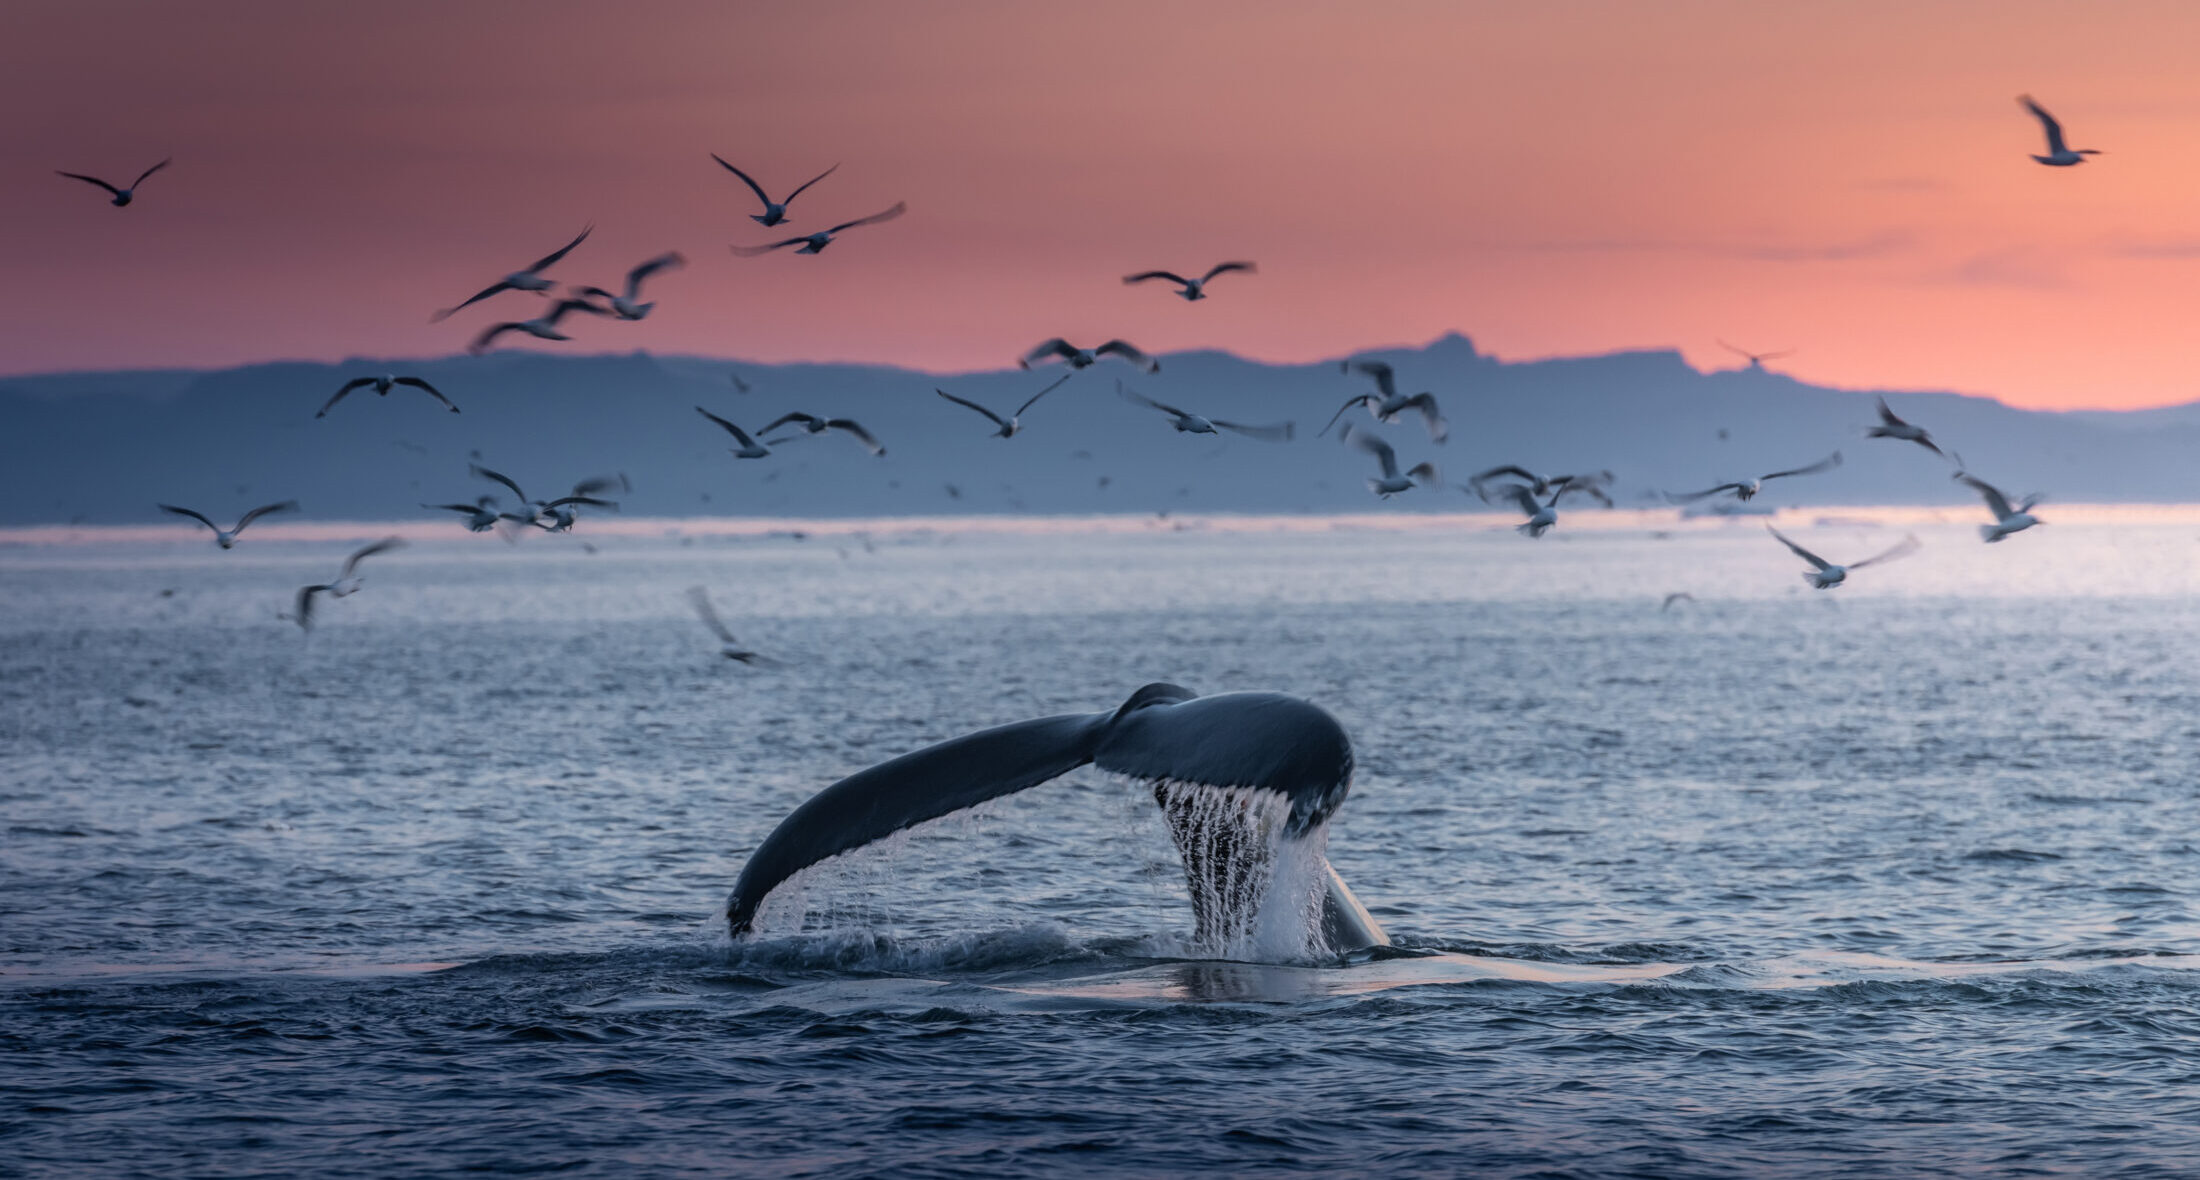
[
  {"x": 749, "y": 448},
  {"x": 481, "y": 515},
  {"x": 2007, "y": 520},
  {"x": 630, "y": 306},
  {"x": 1541, "y": 515},
  {"x": 347, "y": 583},
  {"x": 816, "y": 243},
  {"x": 1824, "y": 575},
  {"x": 1893, "y": 427},
  {"x": 2059, "y": 154},
  {"x": 1014, "y": 422},
  {"x": 1193, "y": 289},
  {"x": 1745, "y": 489},
  {"x": 1676, "y": 596},
  {"x": 529, "y": 279},
  {"x": 730, "y": 647},
  {"x": 1591, "y": 484},
  {"x": 1189, "y": 423},
  {"x": 542, "y": 327},
  {"x": 1390, "y": 483},
  {"x": 1085, "y": 358},
  {"x": 228, "y": 538},
  {"x": 812, "y": 424},
  {"x": 1756, "y": 359},
  {"x": 382, "y": 386},
  {"x": 122, "y": 196},
  {"x": 774, "y": 211},
  {"x": 1387, "y": 405}
]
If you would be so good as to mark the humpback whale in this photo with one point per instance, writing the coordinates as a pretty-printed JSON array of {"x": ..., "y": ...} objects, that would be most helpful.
[{"x": 1243, "y": 779}]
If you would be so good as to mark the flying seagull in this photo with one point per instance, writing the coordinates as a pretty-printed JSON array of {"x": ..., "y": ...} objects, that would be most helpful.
[
  {"x": 1824, "y": 575},
  {"x": 749, "y": 448},
  {"x": 1391, "y": 483},
  {"x": 122, "y": 196},
  {"x": 1676, "y": 596},
  {"x": 1388, "y": 405},
  {"x": 2059, "y": 154},
  {"x": 2007, "y": 520},
  {"x": 560, "y": 511},
  {"x": 1541, "y": 516},
  {"x": 1591, "y": 484},
  {"x": 816, "y": 243},
  {"x": 227, "y": 539},
  {"x": 1193, "y": 289},
  {"x": 1745, "y": 489},
  {"x": 1014, "y": 422},
  {"x": 630, "y": 306},
  {"x": 774, "y": 211},
  {"x": 382, "y": 386},
  {"x": 1893, "y": 427},
  {"x": 529, "y": 279},
  {"x": 812, "y": 424},
  {"x": 1756, "y": 359},
  {"x": 1085, "y": 358},
  {"x": 346, "y": 584},
  {"x": 542, "y": 327},
  {"x": 739, "y": 385},
  {"x": 1189, "y": 423},
  {"x": 731, "y": 648},
  {"x": 481, "y": 515}
]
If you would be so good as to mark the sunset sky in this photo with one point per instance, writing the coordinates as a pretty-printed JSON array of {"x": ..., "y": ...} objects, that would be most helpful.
[{"x": 1850, "y": 181}]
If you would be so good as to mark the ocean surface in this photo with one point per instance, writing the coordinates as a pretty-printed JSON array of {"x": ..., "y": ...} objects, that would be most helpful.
[{"x": 1896, "y": 879}]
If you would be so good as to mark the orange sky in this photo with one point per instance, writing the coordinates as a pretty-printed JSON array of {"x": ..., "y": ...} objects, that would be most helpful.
[{"x": 1846, "y": 180}]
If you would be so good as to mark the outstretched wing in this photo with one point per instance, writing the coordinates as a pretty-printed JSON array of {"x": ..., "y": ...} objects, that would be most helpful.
[
  {"x": 382, "y": 546},
  {"x": 1522, "y": 496},
  {"x": 753, "y": 251},
  {"x": 1887, "y": 416},
  {"x": 489, "y": 335},
  {"x": 672, "y": 260},
  {"x": 1142, "y": 276},
  {"x": 590, "y": 501},
  {"x": 338, "y": 396},
  {"x": 1691, "y": 497},
  {"x": 1130, "y": 394},
  {"x": 430, "y": 390},
  {"x": 551, "y": 259},
  {"x": 1281, "y": 432},
  {"x": 89, "y": 180},
  {"x": 783, "y": 419},
  {"x": 1361, "y": 440},
  {"x": 2047, "y": 122},
  {"x": 1820, "y": 563},
  {"x": 1908, "y": 546},
  {"x": 1995, "y": 501},
  {"x": 1044, "y": 349},
  {"x": 900, "y": 207},
  {"x": 480, "y": 472},
  {"x": 1223, "y": 268},
  {"x": 599, "y": 484},
  {"x": 187, "y": 512},
  {"x": 700, "y": 598},
  {"x": 1363, "y": 399},
  {"x": 741, "y": 436},
  {"x": 477, "y": 297},
  {"x": 997, "y": 420},
  {"x": 302, "y": 613},
  {"x": 264, "y": 509},
  {"x": 863, "y": 436},
  {"x": 565, "y": 307},
  {"x": 1438, "y": 429},
  {"x": 1042, "y": 393},
  {"x": 1826, "y": 464},
  {"x": 149, "y": 171},
  {"x": 1386, "y": 379},
  {"x": 1507, "y": 469},
  {"x": 807, "y": 183},
  {"x": 1129, "y": 352},
  {"x": 745, "y": 179}
]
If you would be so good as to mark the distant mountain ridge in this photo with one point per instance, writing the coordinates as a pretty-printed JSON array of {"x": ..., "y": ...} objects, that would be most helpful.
[{"x": 104, "y": 447}]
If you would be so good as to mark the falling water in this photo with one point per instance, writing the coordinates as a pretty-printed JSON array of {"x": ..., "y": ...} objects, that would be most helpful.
[{"x": 1256, "y": 892}]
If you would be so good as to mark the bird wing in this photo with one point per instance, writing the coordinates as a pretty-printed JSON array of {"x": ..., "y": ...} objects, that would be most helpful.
[
  {"x": 739, "y": 434},
  {"x": 1908, "y": 545},
  {"x": 1438, "y": 429},
  {"x": 1826, "y": 464},
  {"x": 1129, "y": 352},
  {"x": 1386, "y": 378},
  {"x": 338, "y": 396},
  {"x": 1995, "y": 501},
  {"x": 1887, "y": 416},
  {"x": 1223, "y": 268},
  {"x": 90, "y": 180},
  {"x": 1507, "y": 469},
  {"x": 1820, "y": 563},
  {"x": 852, "y": 427},
  {"x": 997, "y": 421},
  {"x": 488, "y": 336},
  {"x": 746, "y": 179},
  {"x": 1280, "y": 432},
  {"x": 187, "y": 512},
  {"x": 672, "y": 260},
  {"x": 1676, "y": 596},
  {"x": 1042, "y": 393},
  {"x": 1361, "y": 400},
  {"x": 149, "y": 171},
  {"x": 1690, "y": 497},
  {"x": 753, "y": 251},
  {"x": 807, "y": 183},
  {"x": 382, "y": 546},
  {"x": 430, "y": 390},
  {"x": 1142, "y": 276},
  {"x": 738, "y": 383},
  {"x": 563, "y": 307},
  {"x": 304, "y": 610},
  {"x": 549, "y": 260},
  {"x": 2054, "y": 129},
  {"x": 1593, "y": 491},
  {"x": 468, "y": 509},
  {"x": 1130, "y": 394},
  {"x": 484, "y": 293},
  {"x": 1044, "y": 349},
  {"x": 1522, "y": 496},
  {"x": 900, "y": 207},
  {"x": 1361, "y": 440},
  {"x": 2025, "y": 505},
  {"x": 783, "y": 419},
  {"x": 599, "y": 484},
  {"x": 590, "y": 501},
  {"x": 264, "y": 509},
  {"x": 700, "y": 598},
  {"x": 478, "y": 471}
]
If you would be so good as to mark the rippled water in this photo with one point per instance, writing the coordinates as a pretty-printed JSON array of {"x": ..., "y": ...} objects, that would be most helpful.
[{"x": 1898, "y": 878}]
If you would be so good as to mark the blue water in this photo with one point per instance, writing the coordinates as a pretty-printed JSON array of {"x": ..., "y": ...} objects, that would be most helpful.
[{"x": 1894, "y": 879}]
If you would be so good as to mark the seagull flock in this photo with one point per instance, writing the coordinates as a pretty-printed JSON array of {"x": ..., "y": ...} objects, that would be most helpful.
[{"x": 1536, "y": 497}]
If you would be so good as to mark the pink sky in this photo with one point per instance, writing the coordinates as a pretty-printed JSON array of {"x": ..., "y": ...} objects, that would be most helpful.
[{"x": 1846, "y": 180}]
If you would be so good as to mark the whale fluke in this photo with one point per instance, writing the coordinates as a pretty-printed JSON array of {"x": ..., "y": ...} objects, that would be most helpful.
[{"x": 1233, "y": 747}]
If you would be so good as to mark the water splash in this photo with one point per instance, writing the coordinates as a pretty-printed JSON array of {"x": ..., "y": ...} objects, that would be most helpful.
[{"x": 1256, "y": 893}]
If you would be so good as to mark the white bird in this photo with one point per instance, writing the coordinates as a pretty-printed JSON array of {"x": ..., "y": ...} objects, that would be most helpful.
[
  {"x": 816, "y": 243},
  {"x": 1756, "y": 359},
  {"x": 774, "y": 211},
  {"x": 731, "y": 648},
  {"x": 481, "y": 515},
  {"x": 122, "y": 196},
  {"x": 1085, "y": 358},
  {"x": 2007, "y": 520},
  {"x": 1748, "y": 488},
  {"x": 1391, "y": 483},
  {"x": 584, "y": 492},
  {"x": 382, "y": 386},
  {"x": 2059, "y": 154},
  {"x": 227, "y": 539},
  {"x": 1193, "y": 289},
  {"x": 1189, "y": 423},
  {"x": 1541, "y": 516},
  {"x": 542, "y": 327},
  {"x": 560, "y": 512},
  {"x": 529, "y": 279},
  {"x": 1591, "y": 484},
  {"x": 749, "y": 448},
  {"x": 1014, "y": 422},
  {"x": 1388, "y": 405},
  {"x": 1893, "y": 427},
  {"x": 1824, "y": 575},
  {"x": 630, "y": 306},
  {"x": 347, "y": 583},
  {"x": 812, "y": 424}
]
